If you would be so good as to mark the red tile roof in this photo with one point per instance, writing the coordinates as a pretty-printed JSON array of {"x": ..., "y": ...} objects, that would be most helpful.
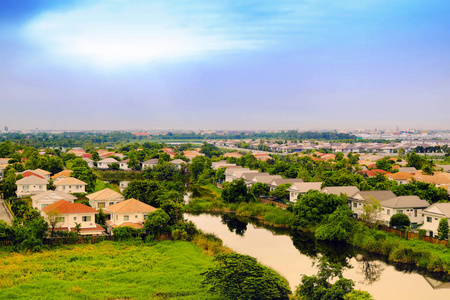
[
  {"x": 30, "y": 173},
  {"x": 66, "y": 207}
]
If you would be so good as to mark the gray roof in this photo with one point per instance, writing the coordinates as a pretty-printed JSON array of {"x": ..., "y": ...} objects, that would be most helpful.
[
  {"x": 108, "y": 160},
  {"x": 266, "y": 178},
  {"x": 406, "y": 202},
  {"x": 151, "y": 161},
  {"x": 338, "y": 190},
  {"x": 58, "y": 194},
  {"x": 303, "y": 187},
  {"x": 251, "y": 175},
  {"x": 445, "y": 168},
  {"x": 276, "y": 182},
  {"x": 407, "y": 169},
  {"x": 178, "y": 161},
  {"x": 377, "y": 195},
  {"x": 444, "y": 208},
  {"x": 32, "y": 180}
]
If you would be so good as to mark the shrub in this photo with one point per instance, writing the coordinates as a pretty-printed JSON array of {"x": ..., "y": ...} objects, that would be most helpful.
[
  {"x": 239, "y": 276},
  {"x": 443, "y": 229},
  {"x": 399, "y": 221},
  {"x": 179, "y": 235}
]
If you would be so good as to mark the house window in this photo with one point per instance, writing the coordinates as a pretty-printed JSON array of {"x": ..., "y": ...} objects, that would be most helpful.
[
  {"x": 145, "y": 217},
  {"x": 435, "y": 219},
  {"x": 25, "y": 187},
  {"x": 40, "y": 187},
  {"x": 400, "y": 211},
  {"x": 388, "y": 212},
  {"x": 126, "y": 218},
  {"x": 101, "y": 205},
  {"x": 86, "y": 218},
  {"x": 415, "y": 213},
  {"x": 111, "y": 203},
  {"x": 74, "y": 218},
  {"x": 117, "y": 217},
  {"x": 429, "y": 219},
  {"x": 355, "y": 204},
  {"x": 64, "y": 187},
  {"x": 60, "y": 219}
]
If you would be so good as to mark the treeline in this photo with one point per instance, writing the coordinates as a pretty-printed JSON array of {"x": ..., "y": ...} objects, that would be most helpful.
[
  {"x": 68, "y": 139},
  {"x": 290, "y": 135}
]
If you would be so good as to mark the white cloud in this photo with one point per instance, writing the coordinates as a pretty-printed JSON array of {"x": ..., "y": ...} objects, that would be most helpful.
[{"x": 127, "y": 33}]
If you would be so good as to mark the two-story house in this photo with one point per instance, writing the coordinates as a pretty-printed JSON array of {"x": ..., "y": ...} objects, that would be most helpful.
[
  {"x": 130, "y": 212},
  {"x": 44, "y": 199},
  {"x": 71, "y": 185},
  {"x": 65, "y": 216},
  {"x": 104, "y": 198},
  {"x": 432, "y": 215},
  {"x": 31, "y": 185}
]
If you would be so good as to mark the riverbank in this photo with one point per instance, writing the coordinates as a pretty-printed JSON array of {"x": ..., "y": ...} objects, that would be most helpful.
[{"x": 434, "y": 258}]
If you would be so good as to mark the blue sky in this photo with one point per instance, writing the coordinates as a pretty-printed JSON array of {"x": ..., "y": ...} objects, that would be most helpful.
[{"x": 313, "y": 64}]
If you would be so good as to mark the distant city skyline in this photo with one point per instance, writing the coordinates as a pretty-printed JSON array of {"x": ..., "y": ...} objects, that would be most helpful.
[{"x": 233, "y": 65}]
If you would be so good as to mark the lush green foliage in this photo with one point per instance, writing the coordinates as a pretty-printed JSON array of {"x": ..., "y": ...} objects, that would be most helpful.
[
  {"x": 236, "y": 192},
  {"x": 157, "y": 222},
  {"x": 443, "y": 229},
  {"x": 109, "y": 270},
  {"x": 318, "y": 287},
  {"x": 281, "y": 192},
  {"x": 239, "y": 276},
  {"x": 426, "y": 191},
  {"x": 399, "y": 221},
  {"x": 314, "y": 208},
  {"x": 260, "y": 189},
  {"x": 340, "y": 226}
]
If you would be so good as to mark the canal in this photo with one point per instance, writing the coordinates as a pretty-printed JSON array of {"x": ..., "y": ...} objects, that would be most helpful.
[{"x": 294, "y": 255}]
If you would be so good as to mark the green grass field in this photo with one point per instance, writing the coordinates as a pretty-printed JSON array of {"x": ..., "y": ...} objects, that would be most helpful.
[{"x": 109, "y": 270}]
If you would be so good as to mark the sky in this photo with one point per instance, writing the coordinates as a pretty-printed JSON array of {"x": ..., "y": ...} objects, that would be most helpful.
[{"x": 244, "y": 64}]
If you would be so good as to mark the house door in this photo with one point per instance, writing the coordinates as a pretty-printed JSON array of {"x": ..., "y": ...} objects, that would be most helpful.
[{"x": 431, "y": 233}]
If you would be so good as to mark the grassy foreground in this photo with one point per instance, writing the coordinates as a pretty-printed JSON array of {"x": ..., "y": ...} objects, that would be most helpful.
[{"x": 109, "y": 270}]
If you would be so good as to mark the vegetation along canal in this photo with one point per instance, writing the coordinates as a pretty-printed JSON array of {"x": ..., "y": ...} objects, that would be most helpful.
[{"x": 292, "y": 255}]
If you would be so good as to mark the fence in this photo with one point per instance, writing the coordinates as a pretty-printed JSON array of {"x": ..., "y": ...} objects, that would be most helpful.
[{"x": 412, "y": 235}]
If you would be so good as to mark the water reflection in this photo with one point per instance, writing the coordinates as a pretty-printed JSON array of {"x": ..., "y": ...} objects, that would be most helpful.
[
  {"x": 369, "y": 269},
  {"x": 234, "y": 224},
  {"x": 292, "y": 254}
]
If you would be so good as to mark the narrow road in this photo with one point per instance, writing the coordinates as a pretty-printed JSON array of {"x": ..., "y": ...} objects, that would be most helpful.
[{"x": 5, "y": 214}]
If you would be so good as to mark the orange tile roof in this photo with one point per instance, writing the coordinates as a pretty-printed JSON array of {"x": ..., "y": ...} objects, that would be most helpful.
[
  {"x": 65, "y": 173},
  {"x": 66, "y": 207},
  {"x": 400, "y": 175},
  {"x": 130, "y": 206}
]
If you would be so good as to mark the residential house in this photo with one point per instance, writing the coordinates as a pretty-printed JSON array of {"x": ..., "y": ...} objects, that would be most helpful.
[
  {"x": 66, "y": 215},
  {"x": 266, "y": 179},
  {"x": 233, "y": 154},
  {"x": 130, "y": 212},
  {"x": 236, "y": 173},
  {"x": 44, "y": 199},
  {"x": 445, "y": 168},
  {"x": 407, "y": 169},
  {"x": 89, "y": 161},
  {"x": 123, "y": 185},
  {"x": 43, "y": 173},
  {"x": 71, "y": 185},
  {"x": 178, "y": 162},
  {"x": 31, "y": 185},
  {"x": 221, "y": 164},
  {"x": 248, "y": 177},
  {"x": 340, "y": 190},
  {"x": 432, "y": 215},
  {"x": 412, "y": 206},
  {"x": 61, "y": 175},
  {"x": 276, "y": 182},
  {"x": 149, "y": 163},
  {"x": 400, "y": 177},
  {"x": 190, "y": 154},
  {"x": 301, "y": 188},
  {"x": 103, "y": 198},
  {"x": 123, "y": 165},
  {"x": 105, "y": 163},
  {"x": 361, "y": 198}
]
